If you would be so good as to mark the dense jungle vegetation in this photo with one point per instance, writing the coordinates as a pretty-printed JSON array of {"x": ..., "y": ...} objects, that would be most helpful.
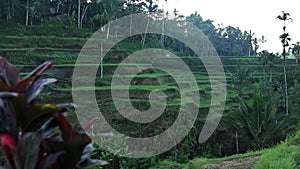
[{"x": 261, "y": 116}]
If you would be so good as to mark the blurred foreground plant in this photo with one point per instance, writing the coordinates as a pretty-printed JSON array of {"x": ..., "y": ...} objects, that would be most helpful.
[{"x": 38, "y": 136}]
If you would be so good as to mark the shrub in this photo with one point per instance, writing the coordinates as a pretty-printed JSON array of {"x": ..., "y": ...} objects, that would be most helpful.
[
  {"x": 37, "y": 136},
  {"x": 283, "y": 156},
  {"x": 294, "y": 140}
]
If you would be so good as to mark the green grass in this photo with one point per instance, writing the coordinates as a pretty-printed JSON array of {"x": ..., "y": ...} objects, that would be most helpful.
[
  {"x": 199, "y": 162},
  {"x": 282, "y": 156}
]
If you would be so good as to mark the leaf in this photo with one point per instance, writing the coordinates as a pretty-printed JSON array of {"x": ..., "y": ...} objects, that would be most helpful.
[
  {"x": 28, "y": 150},
  {"x": 18, "y": 106},
  {"x": 104, "y": 135},
  {"x": 33, "y": 76},
  {"x": 3, "y": 85},
  {"x": 90, "y": 124},
  {"x": 16, "y": 160},
  {"x": 36, "y": 115},
  {"x": 10, "y": 73},
  {"x": 7, "y": 117},
  {"x": 91, "y": 163},
  {"x": 50, "y": 160},
  {"x": 3, "y": 168},
  {"x": 35, "y": 89},
  {"x": 67, "y": 106},
  {"x": 86, "y": 162},
  {"x": 68, "y": 133},
  {"x": 8, "y": 95},
  {"x": 73, "y": 144},
  {"x": 8, "y": 144}
]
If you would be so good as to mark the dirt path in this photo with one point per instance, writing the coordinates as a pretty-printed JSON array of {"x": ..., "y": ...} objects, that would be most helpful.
[{"x": 242, "y": 163}]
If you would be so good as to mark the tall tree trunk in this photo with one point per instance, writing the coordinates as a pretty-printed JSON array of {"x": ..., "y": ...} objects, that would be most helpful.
[
  {"x": 101, "y": 61},
  {"x": 83, "y": 15},
  {"x": 237, "y": 142},
  {"x": 27, "y": 12},
  {"x": 286, "y": 89},
  {"x": 162, "y": 33},
  {"x": 130, "y": 25},
  {"x": 13, "y": 11},
  {"x": 107, "y": 32},
  {"x": 146, "y": 31},
  {"x": 249, "y": 51},
  {"x": 284, "y": 72},
  {"x": 78, "y": 15},
  {"x": 8, "y": 13}
]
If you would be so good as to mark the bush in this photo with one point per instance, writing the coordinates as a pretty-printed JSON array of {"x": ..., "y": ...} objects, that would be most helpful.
[
  {"x": 168, "y": 165},
  {"x": 37, "y": 136},
  {"x": 295, "y": 140},
  {"x": 283, "y": 156}
]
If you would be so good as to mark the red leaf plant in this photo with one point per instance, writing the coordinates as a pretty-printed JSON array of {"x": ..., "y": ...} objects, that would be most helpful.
[{"x": 38, "y": 136}]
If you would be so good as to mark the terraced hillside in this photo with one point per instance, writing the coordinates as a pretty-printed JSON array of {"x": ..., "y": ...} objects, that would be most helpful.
[{"x": 63, "y": 50}]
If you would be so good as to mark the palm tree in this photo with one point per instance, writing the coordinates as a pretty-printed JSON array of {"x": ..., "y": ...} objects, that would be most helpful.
[
  {"x": 263, "y": 40},
  {"x": 259, "y": 123},
  {"x": 240, "y": 81},
  {"x": 256, "y": 46},
  {"x": 175, "y": 12},
  {"x": 296, "y": 51},
  {"x": 151, "y": 6},
  {"x": 250, "y": 40},
  {"x": 285, "y": 39}
]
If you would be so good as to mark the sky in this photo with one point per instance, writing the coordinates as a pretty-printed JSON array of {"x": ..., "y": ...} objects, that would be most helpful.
[{"x": 256, "y": 15}]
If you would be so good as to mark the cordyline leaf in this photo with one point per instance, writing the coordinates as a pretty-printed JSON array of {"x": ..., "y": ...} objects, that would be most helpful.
[
  {"x": 50, "y": 125},
  {"x": 73, "y": 144},
  {"x": 67, "y": 106},
  {"x": 87, "y": 151},
  {"x": 8, "y": 95},
  {"x": 8, "y": 122},
  {"x": 33, "y": 118},
  {"x": 28, "y": 150},
  {"x": 69, "y": 135},
  {"x": 8, "y": 145},
  {"x": 16, "y": 160},
  {"x": 49, "y": 161},
  {"x": 47, "y": 126},
  {"x": 37, "y": 87},
  {"x": 10, "y": 73},
  {"x": 86, "y": 162},
  {"x": 3, "y": 85},
  {"x": 91, "y": 163},
  {"x": 17, "y": 105},
  {"x": 90, "y": 124},
  {"x": 104, "y": 135},
  {"x": 33, "y": 76}
]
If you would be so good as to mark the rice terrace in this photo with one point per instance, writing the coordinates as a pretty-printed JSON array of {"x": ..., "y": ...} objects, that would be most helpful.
[{"x": 137, "y": 84}]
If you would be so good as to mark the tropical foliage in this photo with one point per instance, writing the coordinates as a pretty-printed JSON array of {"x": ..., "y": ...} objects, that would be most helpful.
[
  {"x": 229, "y": 41},
  {"x": 37, "y": 136},
  {"x": 262, "y": 106}
]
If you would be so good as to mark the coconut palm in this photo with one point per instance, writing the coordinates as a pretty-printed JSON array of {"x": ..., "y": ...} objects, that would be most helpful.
[{"x": 285, "y": 39}]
